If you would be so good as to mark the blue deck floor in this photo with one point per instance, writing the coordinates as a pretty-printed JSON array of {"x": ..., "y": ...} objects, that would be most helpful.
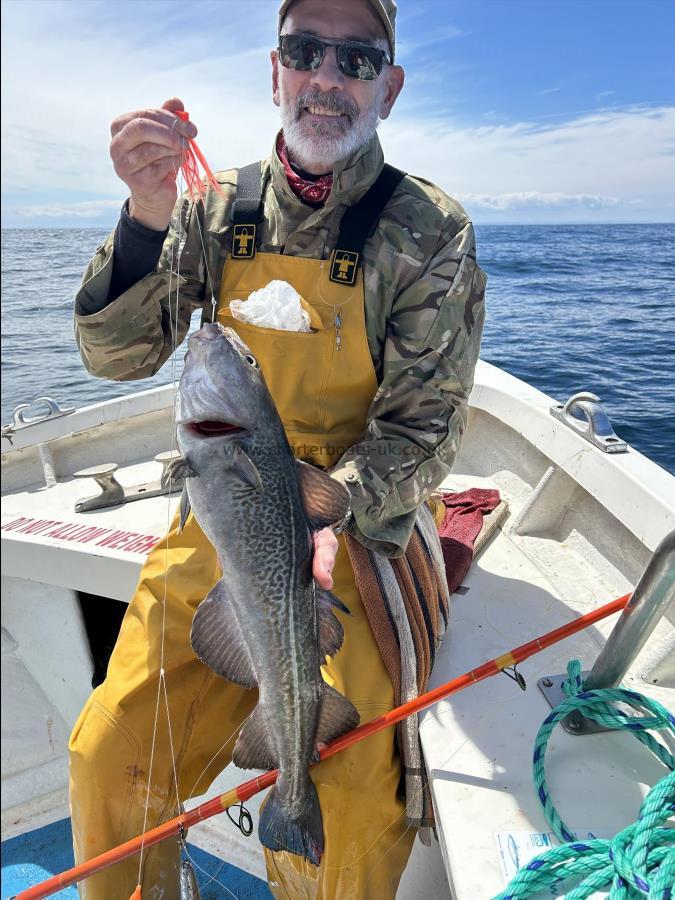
[{"x": 37, "y": 855}]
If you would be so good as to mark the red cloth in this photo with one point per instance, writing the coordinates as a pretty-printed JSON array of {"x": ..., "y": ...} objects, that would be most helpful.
[
  {"x": 461, "y": 526},
  {"x": 315, "y": 192}
]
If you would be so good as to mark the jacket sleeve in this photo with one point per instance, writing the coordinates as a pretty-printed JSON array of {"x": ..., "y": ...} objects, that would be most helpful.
[
  {"x": 418, "y": 416},
  {"x": 131, "y": 337}
]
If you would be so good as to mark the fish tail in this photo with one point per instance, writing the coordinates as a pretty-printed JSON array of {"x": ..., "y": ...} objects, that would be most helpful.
[{"x": 302, "y": 835}]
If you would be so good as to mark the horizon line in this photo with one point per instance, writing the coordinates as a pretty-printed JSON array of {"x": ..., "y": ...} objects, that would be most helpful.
[{"x": 554, "y": 224}]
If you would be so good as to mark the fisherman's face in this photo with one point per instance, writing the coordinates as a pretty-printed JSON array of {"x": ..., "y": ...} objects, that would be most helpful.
[{"x": 326, "y": 115}]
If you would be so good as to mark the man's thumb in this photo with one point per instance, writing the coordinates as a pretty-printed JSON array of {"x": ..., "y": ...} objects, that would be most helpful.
[{"x": 173, "y": 104}]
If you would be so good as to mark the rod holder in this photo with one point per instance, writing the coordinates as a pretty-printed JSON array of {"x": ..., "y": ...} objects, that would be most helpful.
[{"x": 654, "y": 593}]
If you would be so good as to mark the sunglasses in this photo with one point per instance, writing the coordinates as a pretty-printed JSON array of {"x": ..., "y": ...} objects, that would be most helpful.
[{"x": 305, "y": 53}]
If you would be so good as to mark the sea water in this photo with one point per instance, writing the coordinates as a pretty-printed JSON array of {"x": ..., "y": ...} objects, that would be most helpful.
[{"x": 569, "y": 308}]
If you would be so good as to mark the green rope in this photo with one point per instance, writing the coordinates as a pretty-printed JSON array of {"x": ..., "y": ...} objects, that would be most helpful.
[{"x": 640, "y": 860}]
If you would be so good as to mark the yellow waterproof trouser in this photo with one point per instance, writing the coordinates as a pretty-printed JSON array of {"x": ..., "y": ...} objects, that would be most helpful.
[
  {"x": 322, "y": 388},
  {"x": 367, "y": 842}
]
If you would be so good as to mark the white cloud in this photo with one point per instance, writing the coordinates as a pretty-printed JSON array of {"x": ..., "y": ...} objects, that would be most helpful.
[
  {"x": 621, "y": 159},
  {"x": 65, "y": 82},
  {"x": 544, "y": 91},
  {"x": 529, "y": 200},
  {"x": 89, "y": 209}
]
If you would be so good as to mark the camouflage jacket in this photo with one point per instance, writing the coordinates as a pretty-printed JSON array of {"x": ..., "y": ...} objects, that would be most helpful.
[{"x": 424, "y": 297}]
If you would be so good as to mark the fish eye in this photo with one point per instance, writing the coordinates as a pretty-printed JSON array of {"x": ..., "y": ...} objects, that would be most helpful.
[{"x": 252, "y": 361}]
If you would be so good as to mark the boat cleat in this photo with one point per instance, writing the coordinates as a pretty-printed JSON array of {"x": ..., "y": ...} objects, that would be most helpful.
[
  {"x": 114, "y": 494},
  {"x": 584, "y": 414}
]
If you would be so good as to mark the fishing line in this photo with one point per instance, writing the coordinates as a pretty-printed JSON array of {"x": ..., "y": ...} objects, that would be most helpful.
[
  {"x": 206, "y": 267},
  {"x": 173, "y": 755},
  {"x": 180, "y": 235},
  {"x": 429, "y": 717},
  {"x": 237, "y": 729},
  {"x": 419, "y": 791},
  {"x": 174, "y": 261},
  {"x": 212, "y": 878},
  {"x": 416, "y": 793}
]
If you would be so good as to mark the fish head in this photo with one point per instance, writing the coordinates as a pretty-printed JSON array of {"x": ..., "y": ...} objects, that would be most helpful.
[{"x": 222, "y": 392}]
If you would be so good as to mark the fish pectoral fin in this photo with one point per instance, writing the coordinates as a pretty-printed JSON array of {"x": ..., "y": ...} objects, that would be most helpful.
[
  {"x": 244, "y": 467},
  {"x": 331, "y": 632},
  {"x": 327, "y": 598},
  {"x": 176, "y": 470},
  {"x": 336, "y": 716},
  {"x": 325, "y": 500},
  {"x": 254, "y": 748},
  {"x": 217, "y": 640}
]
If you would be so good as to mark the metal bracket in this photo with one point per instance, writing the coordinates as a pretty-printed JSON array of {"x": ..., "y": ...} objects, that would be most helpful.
[
  {"x": 584, "y": 414},
  {"x": 20, "y": 420},
  {"x": 575, "y": 723},
  {"x": 112, "y": 492}
]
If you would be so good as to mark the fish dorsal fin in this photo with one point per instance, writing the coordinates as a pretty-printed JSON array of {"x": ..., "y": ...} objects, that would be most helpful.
[
  {"x": 325, "y": 500},
  {"x": 217, "y": 640},
  {"x": 255, "y": 746},
  {"x": 337, "y": 716}
]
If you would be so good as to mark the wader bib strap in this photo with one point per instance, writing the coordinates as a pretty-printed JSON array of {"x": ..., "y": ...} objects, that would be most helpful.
[
  {"x": 247, "y": 212},
  {"x": 358, "y": 222}
]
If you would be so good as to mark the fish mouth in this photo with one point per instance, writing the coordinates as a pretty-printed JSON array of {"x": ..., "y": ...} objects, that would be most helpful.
[{"x": 210, "y": 428}]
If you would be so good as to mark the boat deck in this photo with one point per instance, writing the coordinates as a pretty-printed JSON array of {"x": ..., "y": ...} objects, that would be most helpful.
[
  {"x": 34, "y": 856},
  {"x": 478, "y": 744}
]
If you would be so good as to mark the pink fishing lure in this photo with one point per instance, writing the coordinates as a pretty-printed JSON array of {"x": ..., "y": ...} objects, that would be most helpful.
[{"x": 193, "y": 157}]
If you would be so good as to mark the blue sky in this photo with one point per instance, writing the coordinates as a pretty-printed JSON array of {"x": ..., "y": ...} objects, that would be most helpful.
[{"x": 539, "y": 111}]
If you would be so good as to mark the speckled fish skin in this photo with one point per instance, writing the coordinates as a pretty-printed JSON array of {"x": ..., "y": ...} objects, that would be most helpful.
[
  {"x": 260, "y": 624},
  {"x": 424, "y": 310}
]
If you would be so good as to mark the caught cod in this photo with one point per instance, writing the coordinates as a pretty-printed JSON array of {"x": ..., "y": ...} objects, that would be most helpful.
[{"x": 265, "y": 623}]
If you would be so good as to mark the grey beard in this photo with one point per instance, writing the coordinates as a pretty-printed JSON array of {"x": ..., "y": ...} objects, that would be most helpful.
[{"x": 326, "y": 150}]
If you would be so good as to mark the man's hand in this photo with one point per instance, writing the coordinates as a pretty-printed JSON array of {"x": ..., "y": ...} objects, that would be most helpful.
[
  {"x": 147, "y": 150},
  {"x": 325, "y": 551}
]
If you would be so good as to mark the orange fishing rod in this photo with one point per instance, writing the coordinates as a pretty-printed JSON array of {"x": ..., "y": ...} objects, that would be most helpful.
[{"x": 246, "y": 790}]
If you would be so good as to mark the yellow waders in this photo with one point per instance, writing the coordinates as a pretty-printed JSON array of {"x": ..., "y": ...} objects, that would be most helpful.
[{"x": 323, "y": 396}]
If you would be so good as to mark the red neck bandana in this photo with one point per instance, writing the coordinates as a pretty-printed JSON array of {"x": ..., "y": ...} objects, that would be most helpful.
[{"x": 313, "y": 192}]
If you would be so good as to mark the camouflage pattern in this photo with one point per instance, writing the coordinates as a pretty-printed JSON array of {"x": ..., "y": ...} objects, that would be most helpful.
[{"x": 424, "y": 297}]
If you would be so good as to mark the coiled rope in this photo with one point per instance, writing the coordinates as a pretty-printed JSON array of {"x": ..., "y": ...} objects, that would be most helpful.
[{"x": 640, "y": 860}]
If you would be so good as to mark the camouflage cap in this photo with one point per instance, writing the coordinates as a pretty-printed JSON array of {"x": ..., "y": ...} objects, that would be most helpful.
[{"x": 385, "y": 9}]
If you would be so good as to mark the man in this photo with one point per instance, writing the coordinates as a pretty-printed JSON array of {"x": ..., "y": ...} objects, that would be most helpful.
[{"x": 376, "y": 393}]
